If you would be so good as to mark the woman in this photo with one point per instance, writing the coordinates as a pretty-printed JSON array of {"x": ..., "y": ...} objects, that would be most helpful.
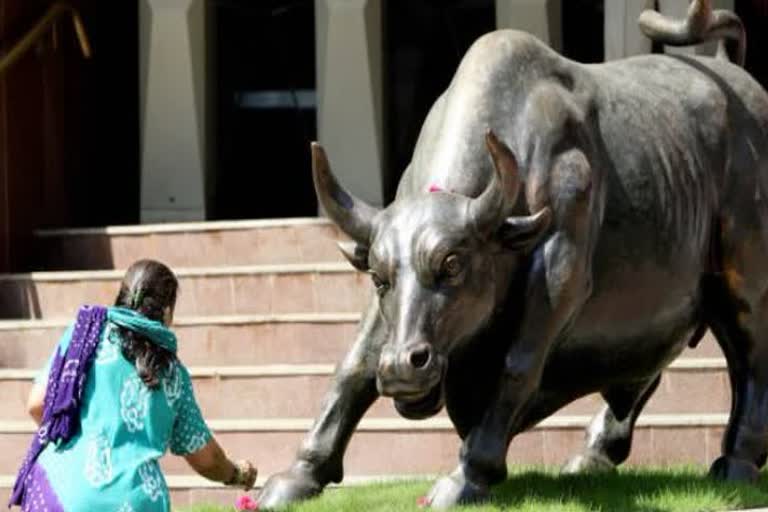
[{"x": 112, "y": 399}]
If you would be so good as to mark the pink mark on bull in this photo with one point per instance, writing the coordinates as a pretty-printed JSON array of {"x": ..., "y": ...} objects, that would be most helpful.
[{"x": 435, "y": 188}]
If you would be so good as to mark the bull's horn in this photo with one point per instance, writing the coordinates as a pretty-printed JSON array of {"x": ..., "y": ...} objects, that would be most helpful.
[
  {"x": 489, "y": 209},
  {"x": 353, "y": 216}
]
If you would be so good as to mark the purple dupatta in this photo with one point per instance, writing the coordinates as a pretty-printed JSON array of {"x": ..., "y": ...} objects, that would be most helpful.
[{"x": 64, "y": 391}]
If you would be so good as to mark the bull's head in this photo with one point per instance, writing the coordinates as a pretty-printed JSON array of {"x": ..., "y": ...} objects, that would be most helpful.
[{"x": 434, "y": 262}]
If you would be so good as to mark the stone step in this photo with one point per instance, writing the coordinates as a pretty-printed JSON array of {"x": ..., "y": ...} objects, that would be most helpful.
[
  {"x": 278, "y": 391},
  {"x": 250, "y": 242},
  {"x": 384, "y": 446},
  {"x": 256, "y": 289},
  {"x": 303, "y": 338},
  {"x": 189, "y": 490}
]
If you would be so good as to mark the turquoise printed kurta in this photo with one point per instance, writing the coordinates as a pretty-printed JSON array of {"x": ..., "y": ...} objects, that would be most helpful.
[{"x": 111, "y": 464}]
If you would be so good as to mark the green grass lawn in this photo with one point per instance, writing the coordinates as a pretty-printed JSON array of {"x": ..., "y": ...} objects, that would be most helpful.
[{"x": 639, "y": 490}]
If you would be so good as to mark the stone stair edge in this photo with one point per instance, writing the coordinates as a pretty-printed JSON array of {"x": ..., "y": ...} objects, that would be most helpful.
[
  {"x": 192, "y": 321},
  {"x": 325, "y": 369},
  {"x": 198, "y": 482},
  {"x": 436, "y": 424},
  {"x": 266, "y": 370},
  {"x": 184, "y": 227},
  {"x": 220, "y": 270}
]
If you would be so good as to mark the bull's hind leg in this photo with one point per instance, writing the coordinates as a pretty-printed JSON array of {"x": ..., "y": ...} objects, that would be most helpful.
[
  {"x": 609, "y": 435},
  {"x": 743, "y": 335},
  {"x": 736, "y": 302}
]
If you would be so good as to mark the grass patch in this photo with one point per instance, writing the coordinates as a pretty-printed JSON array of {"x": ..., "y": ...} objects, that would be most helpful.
[{"x": 678, "y": 489}]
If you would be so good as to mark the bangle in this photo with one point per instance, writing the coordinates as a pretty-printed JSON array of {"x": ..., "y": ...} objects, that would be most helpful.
[{"x": 243, "y": 475}]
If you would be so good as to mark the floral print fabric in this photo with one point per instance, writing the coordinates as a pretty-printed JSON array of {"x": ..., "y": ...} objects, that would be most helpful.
[{"x": 112, "y": 463}]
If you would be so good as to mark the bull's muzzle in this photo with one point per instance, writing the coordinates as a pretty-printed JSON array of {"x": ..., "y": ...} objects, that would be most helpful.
[{"x": 410, "y": 373}]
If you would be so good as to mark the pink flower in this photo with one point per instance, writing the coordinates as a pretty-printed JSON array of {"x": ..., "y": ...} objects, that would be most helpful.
[
  {"x": 422, "y": 502},
  {"x": 245, "y": 502}
]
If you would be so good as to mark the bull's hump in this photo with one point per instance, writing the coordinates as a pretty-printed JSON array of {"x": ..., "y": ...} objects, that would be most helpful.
[
  {"x": 488, "y": 91},
  {"x": 500, "y": 64},
  {"x": 502, "y": 47},
  {"x": 489, "y": 83}
]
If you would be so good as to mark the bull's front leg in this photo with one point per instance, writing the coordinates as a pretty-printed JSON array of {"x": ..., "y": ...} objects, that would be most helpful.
[
  {"x": 319, "y": 460},
  {"x": 558, "y": 284}
]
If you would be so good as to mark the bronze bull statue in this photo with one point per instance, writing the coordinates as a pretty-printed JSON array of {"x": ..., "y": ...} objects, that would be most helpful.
[{"x": 614, "y": 213}]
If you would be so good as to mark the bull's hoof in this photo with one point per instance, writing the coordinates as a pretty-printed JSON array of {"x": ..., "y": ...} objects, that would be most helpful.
[
  {"x": 589, "y": 462},
  {"x": 454, "y": 490},
  {"x": 287, "y": 487},
  {"x": 734, "y": 470}
]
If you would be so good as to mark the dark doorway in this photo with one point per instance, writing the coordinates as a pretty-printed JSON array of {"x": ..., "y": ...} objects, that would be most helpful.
[
  {"x": 424, "y": 42},
  {"x": 754, "y": 15},
  {"x": 264, "y": 64},
  {"x": 582, "y": 27},
  {"x": 104, "y": 183}
]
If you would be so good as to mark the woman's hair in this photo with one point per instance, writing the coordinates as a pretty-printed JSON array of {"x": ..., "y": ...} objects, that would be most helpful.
[{"x": 149, "y": 287}]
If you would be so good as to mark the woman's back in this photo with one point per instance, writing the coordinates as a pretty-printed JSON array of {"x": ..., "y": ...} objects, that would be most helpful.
[
  {"x": 113, "y": 400},
  {"x": 111, "y": 463}
]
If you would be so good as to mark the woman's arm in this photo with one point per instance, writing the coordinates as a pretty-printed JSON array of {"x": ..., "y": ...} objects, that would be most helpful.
[
  {"x": 35, "y": 402},
  {"x": 36, "y": 398},
  {"x": 211, "y": 462}
]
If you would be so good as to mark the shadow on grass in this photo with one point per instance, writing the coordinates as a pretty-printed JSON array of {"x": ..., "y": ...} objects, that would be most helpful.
[{"x": 630, "y": 490}]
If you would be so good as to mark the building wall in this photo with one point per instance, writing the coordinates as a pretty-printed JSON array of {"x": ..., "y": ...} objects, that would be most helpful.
[{"x": 69, "y": 128}]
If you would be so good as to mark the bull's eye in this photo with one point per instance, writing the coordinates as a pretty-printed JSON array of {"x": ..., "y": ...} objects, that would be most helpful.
[
  {"x": 451, "y": 266},
  {"x": 380, "y": 284}
]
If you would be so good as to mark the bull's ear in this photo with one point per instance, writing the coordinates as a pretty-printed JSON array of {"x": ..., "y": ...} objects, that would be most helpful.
[
  {"x": 522, "y": 233},
  {"x": 356, "y": 254}
]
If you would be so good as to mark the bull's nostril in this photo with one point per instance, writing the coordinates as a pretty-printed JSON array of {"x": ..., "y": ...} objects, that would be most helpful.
[{"x": 419, "y": 358}]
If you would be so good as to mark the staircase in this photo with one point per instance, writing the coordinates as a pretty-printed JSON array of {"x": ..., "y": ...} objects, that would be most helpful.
[{"x": 266, "y": 308}]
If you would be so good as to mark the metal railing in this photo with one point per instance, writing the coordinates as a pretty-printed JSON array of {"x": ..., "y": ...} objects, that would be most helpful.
[{"x": 41, "y": 28}]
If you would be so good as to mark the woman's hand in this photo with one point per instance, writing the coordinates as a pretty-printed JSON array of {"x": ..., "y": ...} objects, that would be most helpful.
[
  {"x": 35, "y": 403},
  {"x": 244, "y": 475},
  {"x": 212, "y": 463}
]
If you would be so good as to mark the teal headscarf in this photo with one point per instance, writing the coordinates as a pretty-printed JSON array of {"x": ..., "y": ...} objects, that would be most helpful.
[{"x": 156, "y": 331}]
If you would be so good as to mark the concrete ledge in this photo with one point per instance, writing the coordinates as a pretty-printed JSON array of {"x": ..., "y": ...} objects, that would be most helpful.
[
  {"x": 193, "y": 321},
  {"x": 184, "y": 227},
  {"x": 294, "y": 370},
  {"x": 180, "y": 482},
  {"x": 276, "y": 370},
  {"x": 110, "y": 275},
  {"x": 439, "y": 424},
  {"x": 695, "y": 364}
]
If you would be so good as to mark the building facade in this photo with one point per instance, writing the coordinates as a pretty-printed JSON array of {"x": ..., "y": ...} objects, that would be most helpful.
[{"x": 203, "y": 109}]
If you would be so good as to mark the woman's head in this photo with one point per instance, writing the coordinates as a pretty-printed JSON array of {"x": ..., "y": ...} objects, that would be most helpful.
[{"x": 150, "y": 288}]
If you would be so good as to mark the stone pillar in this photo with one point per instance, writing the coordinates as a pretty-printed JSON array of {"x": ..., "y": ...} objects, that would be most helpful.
[
  {"x": 542, "y": 18},
  {"x": 678, "y": 9},
  {"x": 349, "y": 93},
  {"x": 172, "y": 110},
  {"x": 621, "y": 34}
]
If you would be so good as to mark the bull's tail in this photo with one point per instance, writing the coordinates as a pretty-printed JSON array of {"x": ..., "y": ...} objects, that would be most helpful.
[{"x": 700, "y": 25}]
